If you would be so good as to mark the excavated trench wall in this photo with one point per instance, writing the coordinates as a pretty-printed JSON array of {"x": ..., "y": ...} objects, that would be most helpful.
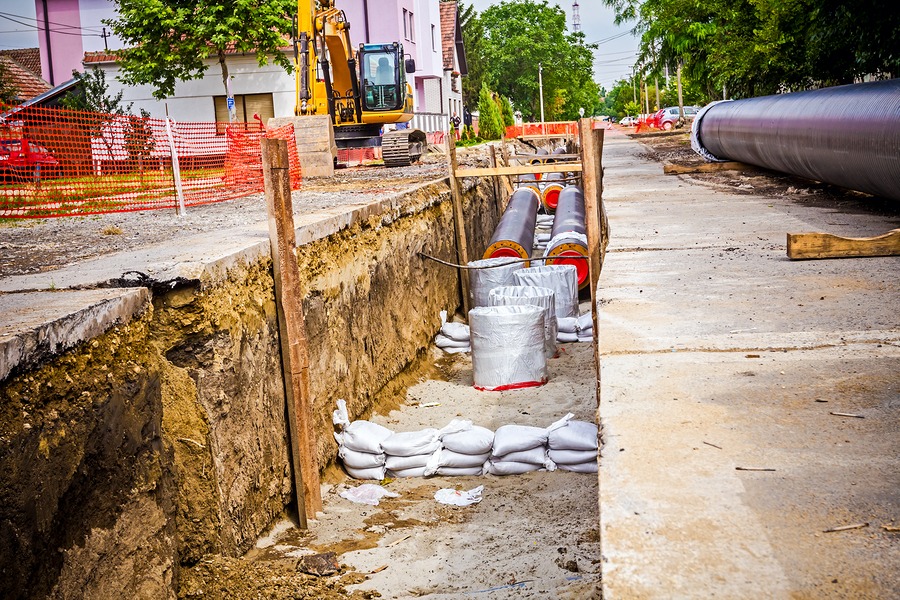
[{"x": 163, "y": 439}]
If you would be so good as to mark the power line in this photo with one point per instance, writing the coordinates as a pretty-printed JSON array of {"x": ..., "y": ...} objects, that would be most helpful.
[
  {"x": 39, "y": 26},
  {"x": 611, "y": 38}
]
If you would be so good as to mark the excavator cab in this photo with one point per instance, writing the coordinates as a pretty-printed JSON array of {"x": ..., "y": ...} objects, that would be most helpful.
[{"x": 383, "y": 77}]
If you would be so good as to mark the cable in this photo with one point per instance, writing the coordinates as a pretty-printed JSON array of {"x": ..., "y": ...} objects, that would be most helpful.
[
  {"x": 511, "y": 261},
  {"x": 41, "y": 22}
]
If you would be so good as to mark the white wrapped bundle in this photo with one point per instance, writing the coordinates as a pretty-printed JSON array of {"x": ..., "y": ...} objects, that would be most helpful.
[
  {"x": 562, "y": 279},
  {"x": 574, "y": 435},
  {"x": 474, "y": 441},
  {"x": 508, "y": 347},
  {"x": 482, "y": 281},
  {"x": 517, "y": 295}
]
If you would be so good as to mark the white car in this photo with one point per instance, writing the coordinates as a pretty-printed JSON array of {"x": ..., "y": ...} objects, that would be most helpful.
[{"x": 627, "y": 121}]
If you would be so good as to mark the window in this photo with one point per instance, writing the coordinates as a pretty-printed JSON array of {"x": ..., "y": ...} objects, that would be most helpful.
[
  {"x": 433, "y": 45},
  {"x": 245, "y": 107},
  {"x": 412, "y": 28},
  {"x": 405, "y": 24}
]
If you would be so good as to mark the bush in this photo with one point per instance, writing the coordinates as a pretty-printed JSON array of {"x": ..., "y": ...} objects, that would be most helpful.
[{"x": 490, "y": 121}]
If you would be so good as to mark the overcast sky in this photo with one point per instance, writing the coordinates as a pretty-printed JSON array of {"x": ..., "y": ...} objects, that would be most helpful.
[{"x": 612, "y": 60}]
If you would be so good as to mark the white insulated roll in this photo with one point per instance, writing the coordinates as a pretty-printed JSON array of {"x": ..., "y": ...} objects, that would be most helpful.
[
  {"x": 508, "y": 347},
  {"x": 482, "y": 281},
  {"x": 562, "y": 279},
  {"x": 520, "y": 295}
]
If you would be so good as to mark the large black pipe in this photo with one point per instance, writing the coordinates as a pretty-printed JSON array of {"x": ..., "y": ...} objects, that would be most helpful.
[
  {"x": 847, "y": 136},
  {"x": 514, "y": 236}
]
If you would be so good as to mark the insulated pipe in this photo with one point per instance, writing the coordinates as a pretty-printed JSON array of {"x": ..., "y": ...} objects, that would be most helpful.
[
  {"x": 553, "y": 185},
  {"x": 568, "y": 238},
  {"x": 529, "y": 180},
  {"x": 514, "y": 236},
  {"x": 847, "y": 136},
  {"x": 539, "y": 160}
]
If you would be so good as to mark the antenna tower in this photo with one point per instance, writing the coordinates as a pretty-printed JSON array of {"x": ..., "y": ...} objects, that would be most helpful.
[{"x": 576, "y": 18}]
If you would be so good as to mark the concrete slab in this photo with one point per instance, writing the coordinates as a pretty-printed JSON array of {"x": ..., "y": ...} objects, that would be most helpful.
[
  {"x": 38, "y": 325},
  {"x": 717, "y": 354}
]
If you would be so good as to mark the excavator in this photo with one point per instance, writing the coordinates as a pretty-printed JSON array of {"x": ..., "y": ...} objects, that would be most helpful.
[{"x": 361, "y": 89}]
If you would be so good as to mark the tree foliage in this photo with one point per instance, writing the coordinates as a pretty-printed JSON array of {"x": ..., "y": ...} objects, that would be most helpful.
[
  {"x": 91, "y": 94},
  {"x": 170, "y": 40},
  {"x": 506, "y": 111},
  {"x": 472, "y": 33},
  {"x": 513, "y": 37},
  {"x": 9, "y": 94},
  {"x": 754, "y": 47},
  {"x": 490, "y": 121}
]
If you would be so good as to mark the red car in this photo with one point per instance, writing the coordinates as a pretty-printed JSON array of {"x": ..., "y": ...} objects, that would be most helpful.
[
  {"x": 24, "y": 157},
  {"x": 653, "y": 120}
]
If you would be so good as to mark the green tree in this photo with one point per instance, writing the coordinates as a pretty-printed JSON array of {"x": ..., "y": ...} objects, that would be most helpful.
[
  {"x": 519, "y": 35},
  {"x": 490, "y": 121},
  {"x": 91, "y": 96},
  {"x": 472, "y": 33},
  {"x": 170, "y": 40},
  {"x": 506, "y": 112}
]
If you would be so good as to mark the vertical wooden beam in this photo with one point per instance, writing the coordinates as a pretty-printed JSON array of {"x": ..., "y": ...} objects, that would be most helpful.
[
  {"x": 595, "y": 220},
  {"x": 507, "y": 181},
  {"x": 462, "y": 252},
  {"x": 495, "y": 183},
  {"x": 291, "y": 328}
]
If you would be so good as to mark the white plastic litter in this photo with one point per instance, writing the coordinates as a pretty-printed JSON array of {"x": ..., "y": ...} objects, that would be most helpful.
[
  {"x": 508, "y": 347},
  {"x": 572, "y": 457},
  {"x": 368, "y": 493},
  {"x": 567, "y": 325},
  {"x": 562, "y": 279},
  {"x": 520, "y": 295},
  {"x": 475, "y": 441},
  {"x": 376, "y": 473},
  {"x": 482, "y": 281},
  {"x": 459, "y": 497},
  {"x": 575, "y": 435},
  {"x": 360, "y": 460},
  {"x": 454, "y": 331}
]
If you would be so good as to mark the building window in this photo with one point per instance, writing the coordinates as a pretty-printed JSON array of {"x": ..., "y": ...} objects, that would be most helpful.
[
  {"x": 405, "y": 24},
  {"x": 433, "y": 44},
  {"x": 245, "y": 107},
  {"x": 412, "y": 27}
]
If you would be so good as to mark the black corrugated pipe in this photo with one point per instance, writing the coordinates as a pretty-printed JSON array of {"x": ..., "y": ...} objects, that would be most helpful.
[{"x": 847, "y": 136}]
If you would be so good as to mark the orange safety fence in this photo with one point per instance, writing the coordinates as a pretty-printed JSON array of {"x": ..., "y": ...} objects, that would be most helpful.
[
  {"x": 57, "y": 162},
  {"x": 562, "y": 128}
]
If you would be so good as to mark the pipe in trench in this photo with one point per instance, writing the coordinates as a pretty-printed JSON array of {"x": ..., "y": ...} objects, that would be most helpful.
[
  {"x": 554, "y": 183},
  {"x": 514, "y": 236},
  {"x": 568, "y": 238},
  {"x": 848, "y": 136}
]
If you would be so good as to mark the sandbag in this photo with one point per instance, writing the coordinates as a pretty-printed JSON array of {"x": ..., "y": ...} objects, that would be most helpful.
[
  {"x": 586, "y": 321},
  {"x": 562, "y": 279},
  {"x": 572, "y": 457},
  {"x": 360, "y": 460},
  {"x": 411, "y": 443},
  {"x": 534, "y": 456},
  {"x": 475, "y": 441},
  {"x": 510, "y": 468},
  {"x": 414, "y": 472},
  {"x": 442, "y": 341},
  {"x": 454, "y": 331},
  {"x": 460, "y": 471},
  {"x": 567, "y": 325},
  {"x": 575, "y": 435},
  {"x": 518, "y": 438},
  {"x": 520, "y": 295},
  {"x": 508, "y": 347},
  {"x": 457, "y": 350},
  {"x": 566, "y": 338},
  {"x": 401, "y": 463},
  {"x": 362, "y": 436},
  {"x": 586, "y": 467},
  {"x": 482, "y": 281},
  {"x": 449, "y": 458},
  {"x": 376, "y": 473},
  {"x": 587, "y": 338}
]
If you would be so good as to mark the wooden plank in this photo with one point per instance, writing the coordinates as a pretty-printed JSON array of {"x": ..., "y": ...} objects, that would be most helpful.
[
  {"x": 291, "y": 328},
  {"x": 673, "y": 169},
  {"x": 520, "y": 170},
  {"x": 462, "y": 253},
  {"x": 495, "y": 183},
  {"x": 802, "y": 246},
  {"x": 596, "y": 224}
]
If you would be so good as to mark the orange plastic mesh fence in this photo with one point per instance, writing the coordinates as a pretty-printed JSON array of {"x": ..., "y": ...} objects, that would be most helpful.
[
  {"x": 568, "y": 128},
  {"x": 57, "y": 162}
]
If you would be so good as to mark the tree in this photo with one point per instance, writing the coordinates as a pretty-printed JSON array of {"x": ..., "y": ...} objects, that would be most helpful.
[
  {"x": 9, "y": 93},
  {"x": 520, "y": 34},
  {"x": 472, "y": 33},
  {"x": 490, "y": 121},
  {"x": 506, "y": 112},
  {"x": 91, "y": 96},
  {"x": 170, "y": 40}
]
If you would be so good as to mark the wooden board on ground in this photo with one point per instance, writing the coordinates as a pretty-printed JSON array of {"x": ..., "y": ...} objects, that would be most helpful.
[
  {"x": 825, "y": 245},
  {"x": 673, "y": 169}
]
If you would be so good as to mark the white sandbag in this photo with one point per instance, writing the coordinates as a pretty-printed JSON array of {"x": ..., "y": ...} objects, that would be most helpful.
[
  {"x": 567, "y": 325},
  {"x": 562, "y": 279},
  {"x": 572, "y": 457},
  {"x": 460, "y": 471},
  {"x": 454, "y": 331},
  {"x": 376, "y": 473},
  {"x": 410, "y": 443},
  {"x": 586, "y": 321},
  {"x": 401, "y": 463},
  {"x": 415, "y": 472},
  {"x": 575, "y": 435},
  {"x": 360, "y": 460},
  {"x": 585, "y": 338},
  {"x": 482, "y": 281},
  {"x": 586, "y": 467},
  {"x": 542, "y": 238},
  {"x": 518, "y": 438},
  {"x": 508, "y": 347},
  {"x": 534, "y": 456},
  {"x": 520, "y": 295},
  {"x": 510, "y": 468},
  {"x": 475, "y": 441},
  {"x": 566, "y": 338},
  {"x": 444, "y": 342},
  {"x": 362, "y": 436},
  {"x": 448, "y": 458}
]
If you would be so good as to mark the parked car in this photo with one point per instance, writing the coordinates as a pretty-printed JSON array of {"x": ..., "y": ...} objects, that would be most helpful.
[
  {"x": 667, "y": 118},
  {"x": 628, "y": 122},
  {"x": 653, "y": 120},
  {"x": 22, "y": 157}
]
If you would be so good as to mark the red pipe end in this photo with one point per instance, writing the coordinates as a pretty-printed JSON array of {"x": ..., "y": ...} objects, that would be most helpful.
[
  {"x": 505, "y": 253},
  {"x": 580, "y": 264},
  {"x": 551, "y": 198}
]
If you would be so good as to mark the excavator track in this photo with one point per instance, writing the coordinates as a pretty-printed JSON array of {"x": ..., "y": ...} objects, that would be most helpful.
[{"x": 402, "y": 147}]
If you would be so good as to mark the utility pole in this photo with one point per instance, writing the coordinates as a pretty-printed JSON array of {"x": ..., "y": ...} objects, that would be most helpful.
[
  {"x": 541, "y": 91},
  {"x": 658, "y": 106},
  {"x": 680, "y": 98}
]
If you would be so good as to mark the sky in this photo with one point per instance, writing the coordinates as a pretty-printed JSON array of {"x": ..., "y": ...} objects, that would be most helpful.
[{"x": 612, "y": 60}]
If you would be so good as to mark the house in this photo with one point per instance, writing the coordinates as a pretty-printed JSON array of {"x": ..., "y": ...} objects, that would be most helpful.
[
  {"x": 269, "y": 91},
  {"x": 23, "y": 72},
  {"x": 454, "y": 58}
]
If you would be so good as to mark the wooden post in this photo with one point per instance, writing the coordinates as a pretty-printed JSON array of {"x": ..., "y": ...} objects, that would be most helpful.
[
  {"x": 495, "y": 185},
  {"x": 462, "y": 253},
  {"x": 507, "y": 181},
  {"x": 291, "y": 328},
  {"x": 595, "y": 220}
]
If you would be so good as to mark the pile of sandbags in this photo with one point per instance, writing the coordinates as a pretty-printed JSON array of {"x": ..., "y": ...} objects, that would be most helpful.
[
  {"x": 573, "y": 447},
  {"x": 359, "y": 445},
  {"x": 522, "y": 448},
  {"x": 453, "y": 337},
  {"x": 575, "y": 329},
  {"x": 462, "y": 452}
]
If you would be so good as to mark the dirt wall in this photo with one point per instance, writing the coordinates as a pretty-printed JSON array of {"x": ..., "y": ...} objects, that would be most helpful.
[{"x": 164, "y": 440}]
